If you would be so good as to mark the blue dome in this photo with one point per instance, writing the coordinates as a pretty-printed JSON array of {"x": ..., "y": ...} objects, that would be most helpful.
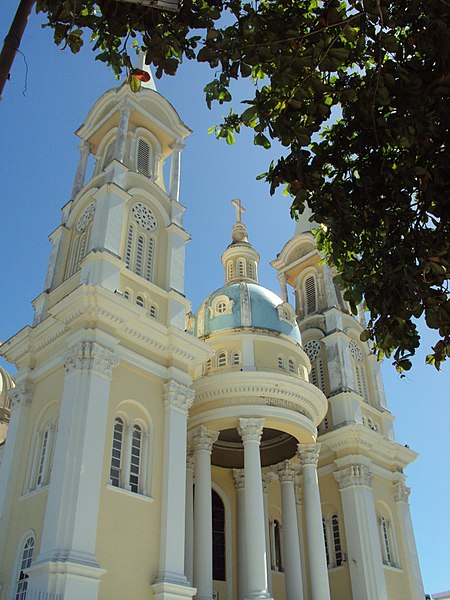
[{"x": 244, "y": 304}]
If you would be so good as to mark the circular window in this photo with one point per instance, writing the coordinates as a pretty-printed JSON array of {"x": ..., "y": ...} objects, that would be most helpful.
[
  {"x": 144, "y": 216},
  {"x": 221, "y": 307}
]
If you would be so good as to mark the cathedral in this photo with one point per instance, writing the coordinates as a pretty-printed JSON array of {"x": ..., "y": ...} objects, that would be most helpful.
[{"x": 243, "y": 451}]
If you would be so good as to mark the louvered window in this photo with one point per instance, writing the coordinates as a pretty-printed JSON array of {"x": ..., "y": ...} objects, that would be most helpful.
[
  {"x": 240, "y": 265},
  {"x": 144, "y": 158},
  {"x": 310, "y": 295},
  {"x": 109, "y": 154},
  {"x": 222, "y": 359},
  {"x": 129, "y": 246},
  {"x": 25, "y": 563},
  {"x": 149, "y": 261},
  {"x": 140, "y": 301},
  {"x": 230, "y": 270},
  {"x": 291, "y": 366},
  {"x": 235, "y": 358},
  {"x": 116, "y": 456},
  {"x": 139, "y": 253},
  {"x": 251, "y": 269},
  {"x": 153, "y": 311},
  {"x": 281, "y": 362}
]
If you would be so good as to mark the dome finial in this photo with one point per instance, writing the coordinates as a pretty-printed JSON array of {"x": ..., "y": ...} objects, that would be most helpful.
[{"x": 239, "y": 233}]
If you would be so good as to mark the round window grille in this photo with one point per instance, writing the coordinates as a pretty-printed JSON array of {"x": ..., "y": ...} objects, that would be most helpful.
[
  {"x": 144, "y": 216},
  {"x": 312, "y": 349},
  {"x": 355, "y": 351},
  {"x": 221, "y": 307},
  {"x": 86, "y": 216}
]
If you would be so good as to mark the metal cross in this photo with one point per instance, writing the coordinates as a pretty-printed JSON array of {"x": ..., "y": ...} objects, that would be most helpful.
[{"x": 239, "y": 209}]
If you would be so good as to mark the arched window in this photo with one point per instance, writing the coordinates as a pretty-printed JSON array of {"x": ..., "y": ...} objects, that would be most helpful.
[
  {"x": 41, "y": 451},
  {"x": 281, "y": 361},
  {"x": 230, "y": 270},
  {"x": 333, "y": 548},
  {"x": 336, "y": 541},
  {"x": 388, "y": 549},
  {"x": 359, "y": 370},
  {"x": 317, "y": 375},
  {"x": 130, "y": 456},
  {"x": 251, "y": 269},
  {"x": 208, "y": 364},
  {"x": 109, "y": 154},
  {"x": 135, "y": 464},
  {"x": 24, "y": 563},
  {"x": 277, "y": 562},
  {"x": 43, "y": 458},
  {"x": 240, "y": 267},
  {"x": 80, "y": 242},
  {"x": 291, "y": 366},
  {"x": 310, "y": 294},
  {"x": 140, "y": 245},
  {"x": 221, "y": 359},
  {"x": 126, "y": 295},
  {"x": 235, "y": 358},
  {"x": 116, "y": 455},
  {"x": 153, "y": 311},
  {"x": 144, "y": 158},
  {"x": 218, "y": 531},
  {"x": 140, "y": 301}
]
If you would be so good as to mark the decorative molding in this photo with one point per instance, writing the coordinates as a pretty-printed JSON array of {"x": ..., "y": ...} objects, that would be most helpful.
[
  {"x": 90, "y": 356},
  {"x": 204, "y": 438},
  {"x": 354, "y": 475},
  {"x": 286, "y": 471},
  {"x": 85, "y": 217},
  {"x": 401, "y": 492},
  {"x": 239, "y": 479},
  {"x": 178, "y": 396},
  {"x": 21, "y": 394},
  {"x": 190, "y": 461},
  {"x": 266, "y": 479},
  {"x": 251, "y": 430},
  {"x": 308, "y": 454}
]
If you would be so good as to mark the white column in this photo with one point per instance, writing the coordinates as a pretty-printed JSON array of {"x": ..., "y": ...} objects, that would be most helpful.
[
  {"x": 251, "y": 431},
  {"x": 361, "y": 532},
  {"x": 67, "y": 563},
  {"x": 283, "y": 287},
  {"x": 401, "y": 496},
  {"x": 20, "y": 401},
  {"x": 239, "y": 482},
  {"x": 189, "y": 541},
  {"x": 171, "y": 583},
  {"x": 175, "y": 172},
  {"x": 298, "y": 499},
  {"x": 80, "y": 175},
  {"x": 330, "y": 290},
  {"x": 203, "y": 440},
  {"x": 121, "y": 136},
  {"x": 267, "y": 478},
  {"x": 286, "y": 472},
  {"x": 318, "y": 572}
]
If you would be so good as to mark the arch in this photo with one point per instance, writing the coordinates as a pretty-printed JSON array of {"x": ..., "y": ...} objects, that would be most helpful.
[
  {"x": 42, "y": 448},
  {"x": 108, "y": 153},
  {"x": 291, "y": 365},
  {"x": 230, "y": 270},
  {"x": 81, "y": 235},
  {"x": 153, "y": 311},
  {"x": 389, "y": 550},
  {"x": 235, "y": 357},
  {"x": 140, "y": 300},
  {"x": 221, "y": 359},
  {"x": 240, "y": 267},
  {"x": 281, "y": 362},
  {"x": 317, "y": 374},
  {"x": 332, "y": 538},
  {"x": 359, "y": 370},
  {"x": 144, "y": 157},
  {"x": 24, "y": 559}
]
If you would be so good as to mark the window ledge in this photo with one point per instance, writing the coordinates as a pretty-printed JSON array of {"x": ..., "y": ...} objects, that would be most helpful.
[
  {"x": 393, "y": 568},
  {"x": 113, "y": 488},
  {"x": 337, "y": 567},
  {"x": 37, "y": 490}
]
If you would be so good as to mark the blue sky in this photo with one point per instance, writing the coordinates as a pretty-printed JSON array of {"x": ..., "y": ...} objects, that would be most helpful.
[{"x": 38, "y": 157}]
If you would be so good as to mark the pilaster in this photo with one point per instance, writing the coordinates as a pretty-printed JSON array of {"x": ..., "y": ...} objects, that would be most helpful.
[
  {"x": 67, "y": 564},
  {"x": 363, "y": 542}
]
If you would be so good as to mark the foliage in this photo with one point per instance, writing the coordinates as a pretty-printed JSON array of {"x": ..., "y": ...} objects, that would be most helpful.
[{"x": 357, "y": 92}]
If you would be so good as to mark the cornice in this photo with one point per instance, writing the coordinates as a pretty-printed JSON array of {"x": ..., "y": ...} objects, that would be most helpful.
[{"x": 358, "y": 439}]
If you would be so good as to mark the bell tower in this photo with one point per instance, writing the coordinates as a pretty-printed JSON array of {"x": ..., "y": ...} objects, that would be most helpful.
[
  {"x": 96, "y": 444},
  {"x": 361, "y": 465}
]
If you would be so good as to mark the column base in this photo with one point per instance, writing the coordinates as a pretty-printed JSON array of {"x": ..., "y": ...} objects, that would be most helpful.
[
  {"x": 64, "y": 579},
  {"x": 166, "y": 590},
  {"x": 258, "y": 596}
]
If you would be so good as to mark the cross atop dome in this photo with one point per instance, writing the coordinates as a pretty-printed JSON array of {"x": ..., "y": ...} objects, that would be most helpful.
[{"x": 239, "y": 209}]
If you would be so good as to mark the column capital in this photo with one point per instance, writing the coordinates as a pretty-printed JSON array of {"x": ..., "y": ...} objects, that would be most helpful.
[
  {"x": 250, "y": 429},
  {"x": 355, "y": 475},
  {"x": 84, "y": 146},
  {"x": 177, "y": 145},
  {"x": 204, "y": 438},
  {"x": 266, "y": 479},
  {"x": 286, "y": 471},
  {"x": 177, "y": 395},
  {"x": 239, "y": 479},
  {"x": 125, "y": 108},
  {"x": 190, "y": 461},
  {"x": 308, "y": 454},
  {"x": 90, "y": 356},
  {"x": 21, "y": 394},
  {"x": 401, "y": 492}
]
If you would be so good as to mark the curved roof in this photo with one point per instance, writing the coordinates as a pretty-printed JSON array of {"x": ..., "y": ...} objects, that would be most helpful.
[{"x": 252, "y": 306}]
